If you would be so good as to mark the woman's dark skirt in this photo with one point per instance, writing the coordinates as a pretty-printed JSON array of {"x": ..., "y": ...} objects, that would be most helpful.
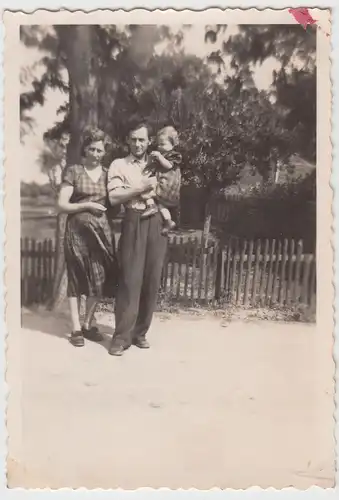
[{"x": 90, "y": 256}]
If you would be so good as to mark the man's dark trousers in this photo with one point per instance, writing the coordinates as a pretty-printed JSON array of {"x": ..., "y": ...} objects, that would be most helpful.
[{"x": 142, "y": 251}]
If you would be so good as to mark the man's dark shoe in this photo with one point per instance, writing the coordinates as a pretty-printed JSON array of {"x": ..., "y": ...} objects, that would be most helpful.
[
  {"x": 92, "y": 334},
  {"x": 141, "y": 343},
  {"x": 77, "y": 338},
  {"x": 116, "y": 350}
]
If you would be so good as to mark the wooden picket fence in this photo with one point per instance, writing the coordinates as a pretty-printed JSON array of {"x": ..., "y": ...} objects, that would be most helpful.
[
  {"x": 240, "y": 272},
  {"x": 257, "y": 273},
  {"x": 37, "y": 270}
]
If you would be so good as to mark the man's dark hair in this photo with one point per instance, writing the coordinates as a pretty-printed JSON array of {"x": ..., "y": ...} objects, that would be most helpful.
[{"x": 136, "y": 124}]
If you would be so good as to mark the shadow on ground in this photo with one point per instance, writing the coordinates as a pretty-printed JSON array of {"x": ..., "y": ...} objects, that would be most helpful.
[{"x": 57, "y": 323}]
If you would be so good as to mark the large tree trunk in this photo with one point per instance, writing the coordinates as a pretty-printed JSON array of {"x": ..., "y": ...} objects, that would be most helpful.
[
  {"x": 205, "y": 236},
  {"x": 60, "y": 276},
  {"x": 78, "y": 45},
  {"x": 207, "y": 218},
  {"x": 83, "y": 83}
]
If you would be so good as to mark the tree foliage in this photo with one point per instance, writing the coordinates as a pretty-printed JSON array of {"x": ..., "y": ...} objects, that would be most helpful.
[
  {"x": 294, "y": 84},
  {"x": 225, "y": 125},
  {"x": 51, "y": 62}
]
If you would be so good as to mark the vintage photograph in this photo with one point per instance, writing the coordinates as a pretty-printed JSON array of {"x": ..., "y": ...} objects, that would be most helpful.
[{"x": 169, "y": 306}]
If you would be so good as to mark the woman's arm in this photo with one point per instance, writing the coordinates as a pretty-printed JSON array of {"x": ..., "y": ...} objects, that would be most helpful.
[{"x": 64, "y": 204}]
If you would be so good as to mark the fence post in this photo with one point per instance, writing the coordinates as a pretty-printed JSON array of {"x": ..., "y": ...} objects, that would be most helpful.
[
  {"x": 33, "y": 287},
  {"x": 164, "y": 274},
  {"x": 241, "y": 271},
  {"x": 44, "y": 269},
  {"x": 296, "y": 287},
  {"x": 24, "y": 271},
  {"x": 235, "y": 257},
  {"x": 40, "y": 273},
  {"x": 51, "y": 256},
  {"x": 270, "y": 271},
  {"x": 306, "y": 279},
  {"x": 214, "y": 265},
  {"x": 263, "y": 274},
  {"x": 220, "y": 272},
  {"x": 207, "y": 271},
  {"x": 171, "y": 287},
  {"x": 275, "y": 273},
  {"x": 282, "y": 288},
  {"x": 248, "y": 272},
  {"x": 204, "y": 244},
  {"x": 290, "y": 273},
  {"x": 256, "y": 273},
  {"x": 194, "y": 266},
  {"x": 228, "y": 270},
  {"x": 181, "y": 250},
  {"x": 188, "y": 252}
]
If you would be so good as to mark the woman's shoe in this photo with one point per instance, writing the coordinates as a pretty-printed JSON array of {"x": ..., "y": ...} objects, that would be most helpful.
[
  {"x": 92, "y": 334},
  {"x": 77, "y": 338}
]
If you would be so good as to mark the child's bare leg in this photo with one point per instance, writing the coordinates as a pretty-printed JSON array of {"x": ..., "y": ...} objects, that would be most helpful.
[
  {"x": 169, "y": 224},
  {"x": 89, "y": 332},
  {"x": 76, "y": 338},
  {"x": 74, "y": 306},
  {"x": 165, "y": 213},
  {"x": 91, "y": 304}
]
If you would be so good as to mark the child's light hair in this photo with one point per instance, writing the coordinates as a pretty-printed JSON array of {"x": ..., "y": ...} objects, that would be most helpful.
[{"x": 171, "y": 133}]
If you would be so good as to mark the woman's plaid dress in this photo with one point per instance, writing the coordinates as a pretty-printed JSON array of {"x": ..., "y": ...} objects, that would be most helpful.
[{"x": 89, "y": 241}]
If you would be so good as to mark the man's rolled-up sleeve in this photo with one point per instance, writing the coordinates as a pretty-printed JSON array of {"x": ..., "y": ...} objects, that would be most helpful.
[
  {"x": 115, "y": 180},
  {"x": 115, "y": 177}
]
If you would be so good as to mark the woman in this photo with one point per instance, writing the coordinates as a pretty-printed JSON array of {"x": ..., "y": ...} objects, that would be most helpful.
[{"x": 89, "y": 244}]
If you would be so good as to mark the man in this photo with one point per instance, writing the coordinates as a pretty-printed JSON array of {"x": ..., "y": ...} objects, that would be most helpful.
[{"x": 142, "y": 247}]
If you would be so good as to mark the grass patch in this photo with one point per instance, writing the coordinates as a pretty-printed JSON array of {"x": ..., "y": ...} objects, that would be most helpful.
[{"x": 229, "y": 312}]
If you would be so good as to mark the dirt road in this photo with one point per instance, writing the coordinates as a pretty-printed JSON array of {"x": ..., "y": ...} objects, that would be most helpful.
[{"x": 248, "y": 403}]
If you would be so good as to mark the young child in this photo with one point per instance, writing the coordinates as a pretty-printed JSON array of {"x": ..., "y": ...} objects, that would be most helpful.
[{"x": 165, "y": 163}]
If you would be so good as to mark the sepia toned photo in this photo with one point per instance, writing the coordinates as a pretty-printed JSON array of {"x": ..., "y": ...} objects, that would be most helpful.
[{"x": 169, "y": 275}]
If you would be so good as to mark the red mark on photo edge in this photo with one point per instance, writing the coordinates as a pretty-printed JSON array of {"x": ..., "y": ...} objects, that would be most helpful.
[{"x": 303, "y": 17}]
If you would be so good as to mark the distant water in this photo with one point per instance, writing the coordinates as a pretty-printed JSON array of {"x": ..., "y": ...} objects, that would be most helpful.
[
  {"x": 38, "y": 227},
  {"x": 38, "y": 218}
]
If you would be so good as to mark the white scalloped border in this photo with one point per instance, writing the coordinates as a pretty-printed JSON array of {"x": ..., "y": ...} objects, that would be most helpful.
[{"x": 192, "y": 12}]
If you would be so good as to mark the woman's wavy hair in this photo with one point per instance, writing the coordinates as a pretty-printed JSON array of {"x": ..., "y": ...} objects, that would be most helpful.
[{"x": 94, "y": 134}]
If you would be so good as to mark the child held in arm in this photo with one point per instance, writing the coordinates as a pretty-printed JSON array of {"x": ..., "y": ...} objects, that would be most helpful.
[{"x": 165, "y": 163}]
